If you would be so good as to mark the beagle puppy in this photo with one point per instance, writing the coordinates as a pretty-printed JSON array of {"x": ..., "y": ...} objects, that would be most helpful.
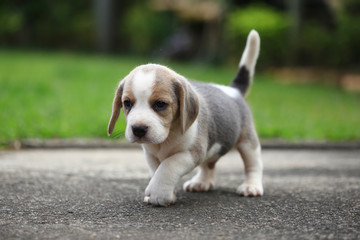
[{"x": 183, "y": 124}]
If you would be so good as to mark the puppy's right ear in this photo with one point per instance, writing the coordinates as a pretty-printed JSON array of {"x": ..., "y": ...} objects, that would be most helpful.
[{"x": 117, "y": 105}]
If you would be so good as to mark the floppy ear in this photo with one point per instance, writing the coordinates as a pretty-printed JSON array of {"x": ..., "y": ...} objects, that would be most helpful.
[
  {"x": 188, "y": 104},
  {"x": 117, "y": 105}
]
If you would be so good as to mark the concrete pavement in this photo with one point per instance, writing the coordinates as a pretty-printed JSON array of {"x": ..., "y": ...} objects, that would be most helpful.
[{"x": 98, "y": 193}]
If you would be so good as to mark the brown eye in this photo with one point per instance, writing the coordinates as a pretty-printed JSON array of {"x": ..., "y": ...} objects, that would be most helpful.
[
  {"x": 160, "y": 106},
  {"x": 127, "y": 105}
]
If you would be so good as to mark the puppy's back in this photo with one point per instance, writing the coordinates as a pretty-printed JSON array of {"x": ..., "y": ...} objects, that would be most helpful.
[{"x": 225, "y": 114}]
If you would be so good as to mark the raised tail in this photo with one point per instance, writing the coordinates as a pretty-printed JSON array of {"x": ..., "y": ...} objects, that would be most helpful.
[{"x": 247, "y": 63}]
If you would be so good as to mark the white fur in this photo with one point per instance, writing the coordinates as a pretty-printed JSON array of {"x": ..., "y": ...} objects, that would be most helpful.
[
  {"x": 169, "y": 153},
  {"x": 213, "y": 151},
  {"x": 160, "y": 190},
  {"x": 141, "y": 112},
  {"x": 251, "y": 52},
  {"x": 176, "y": 142},
  {"x": 202, "y": 181},
  {"x": 143, "y": 84},
  {"x": 253, "y": 171},
  {"x": 168, "y": 162},
  {"x": 231, "y": 92}
]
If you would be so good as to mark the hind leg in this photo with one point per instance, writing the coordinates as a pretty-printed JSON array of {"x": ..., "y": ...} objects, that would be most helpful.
[
  {"x": 203, "y": 180},
  {"x": 251, "y": 154}
]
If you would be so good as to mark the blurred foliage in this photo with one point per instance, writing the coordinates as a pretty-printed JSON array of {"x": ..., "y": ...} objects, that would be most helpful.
[
  {"x": 317, "y": 45},
  {"x": 63, "y": 95},
  {"x": 347, "y": 35},
  {"x": 145, "y": 29},
  {"x": 141, "y": 30},
  {"x": 335, "y": 47},
  {"x": 47, "y": 23},
  {"x": 271, "y": 24}
]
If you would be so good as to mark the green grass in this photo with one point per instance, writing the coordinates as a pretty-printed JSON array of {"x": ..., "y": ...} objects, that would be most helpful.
[
  {"x": 305, "y": 111},
  {"x": 64, "y": 95}
]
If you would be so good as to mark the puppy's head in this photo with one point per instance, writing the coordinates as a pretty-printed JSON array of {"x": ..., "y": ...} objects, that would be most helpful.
[{"x": 155, "y": 101}]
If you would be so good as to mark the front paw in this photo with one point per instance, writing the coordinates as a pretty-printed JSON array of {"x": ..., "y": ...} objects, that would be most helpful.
[
  {"x": 159, "y": 196},
  {"x": 250, "y": 190}
]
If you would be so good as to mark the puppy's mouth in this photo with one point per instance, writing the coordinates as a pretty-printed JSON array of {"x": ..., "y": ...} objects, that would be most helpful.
[
  {"x": 140, "y": 140},
  {"x": 144, "y": 140}
]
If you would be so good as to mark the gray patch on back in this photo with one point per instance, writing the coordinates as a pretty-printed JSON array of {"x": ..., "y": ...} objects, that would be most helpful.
[{"x": 226, "y": 116}]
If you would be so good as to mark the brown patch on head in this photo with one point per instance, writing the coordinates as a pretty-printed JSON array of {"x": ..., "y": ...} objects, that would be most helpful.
[
  {"x": 128, "y": 95},
  {"x": 123, "y": 91},
  {"x": 164, "y": 91}
]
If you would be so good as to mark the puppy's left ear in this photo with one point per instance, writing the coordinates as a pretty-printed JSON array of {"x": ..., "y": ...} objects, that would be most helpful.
[
  {"x": 188, "y": 103},
  {"x": 117, "y": 105}
]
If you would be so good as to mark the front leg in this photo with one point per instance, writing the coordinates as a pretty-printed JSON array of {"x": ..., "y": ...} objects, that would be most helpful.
[
  {"x": 161, "y": 188},
  {"x": 152, "y": 162}
]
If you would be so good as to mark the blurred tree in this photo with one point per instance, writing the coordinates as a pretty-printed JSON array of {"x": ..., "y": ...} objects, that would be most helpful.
[
  {"x": 105, "y": 19},
  {"x": 294, "y": 11},
  {"x": 46, "y": 23},
  {"x": 200, "y": 28},
  {"x": 272, "y": 25},
  {"x": 302, "y": 32}
]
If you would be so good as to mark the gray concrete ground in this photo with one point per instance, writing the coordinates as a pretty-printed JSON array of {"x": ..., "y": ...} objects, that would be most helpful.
[{"x": 98, "y": 193}]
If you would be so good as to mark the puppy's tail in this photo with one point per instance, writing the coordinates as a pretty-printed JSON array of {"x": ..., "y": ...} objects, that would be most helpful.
[{"x": 247, "y": 63}]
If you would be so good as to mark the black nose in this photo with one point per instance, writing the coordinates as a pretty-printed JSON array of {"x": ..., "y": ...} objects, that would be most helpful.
[{"x": 139, "y": 131}]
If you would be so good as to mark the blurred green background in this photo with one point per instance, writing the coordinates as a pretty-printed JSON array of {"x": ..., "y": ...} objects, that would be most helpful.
[{"x": 60, "y": 61}]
